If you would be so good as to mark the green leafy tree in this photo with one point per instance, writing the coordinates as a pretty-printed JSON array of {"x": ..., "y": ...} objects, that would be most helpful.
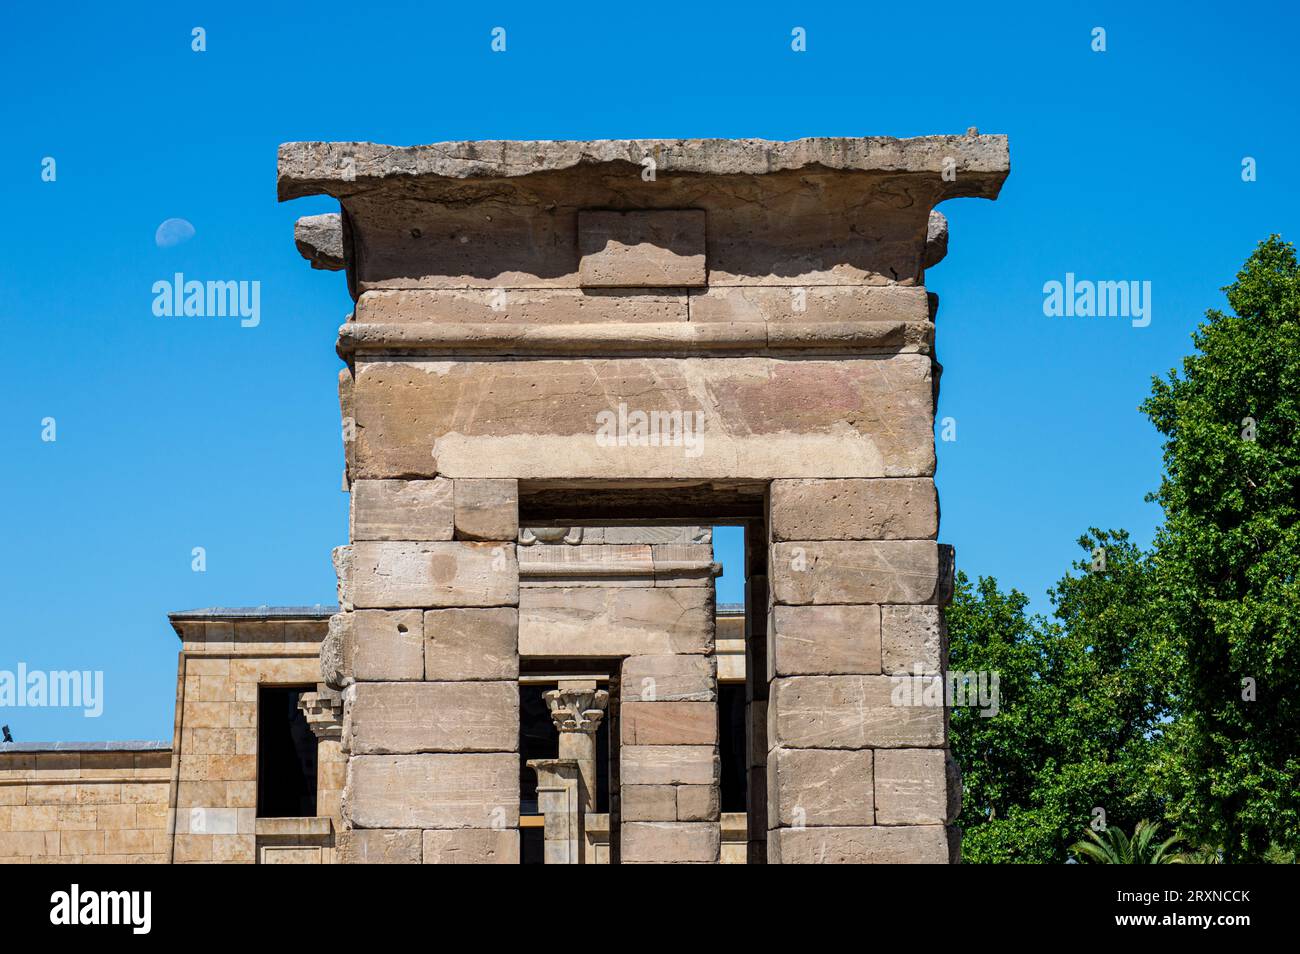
[
  {"x": 1081, "y": 712},
  {"x": 1226, "y": 562}
]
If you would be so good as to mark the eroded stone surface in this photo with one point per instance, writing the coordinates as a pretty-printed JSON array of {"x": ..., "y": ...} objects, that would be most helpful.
[
  {"x": 615, "y": 621},
  {"x": 853, "y": 712},
  {"x": 378, "y": 846},
  {"x": 912, "y": 844},
  {"x": 912, "y": 639},
  {"x": 752, "y": 416},
  {"x": 487, "y": 509},
  {"x": 402, "y": 509},
  {"x": 883, "y": 509},
  {"x": 669, "y": 723},
  {"x": 411, "y": 717},
  {"x": 660, "y": 842},
  {"x": 320, "y": 240},
  {"x": 388, "y": 646},
  {"x": 912, "y": 787},
  {"x": 819, "y": 787},
  {"x": 659, "y": 249},
  {"x": 467, "y": 644},
  {"x": 825, "y": 640},
  {"x": 886, "y": 571},
  {"x": 434, "y": 574},
  {"x": 472, "y": 846},
  {"x": 433, "y": 791},
  {"x": 669, "y": 678},
  {"x": 669, "y": 764}
]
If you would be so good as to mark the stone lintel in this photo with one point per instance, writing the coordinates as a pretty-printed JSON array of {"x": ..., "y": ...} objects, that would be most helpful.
[{"x": 347, "y": 168}]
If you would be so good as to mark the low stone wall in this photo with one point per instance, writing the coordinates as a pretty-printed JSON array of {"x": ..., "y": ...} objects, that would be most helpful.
[{"x": 93, "y": 802}]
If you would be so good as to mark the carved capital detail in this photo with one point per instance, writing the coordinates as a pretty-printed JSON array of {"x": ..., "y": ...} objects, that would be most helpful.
[{"x": 577, "y": 710}]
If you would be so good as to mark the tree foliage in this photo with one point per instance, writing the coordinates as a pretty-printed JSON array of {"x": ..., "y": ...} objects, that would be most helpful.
[
  {"x": 1227, "y": 559},
  {"x": 1081, "y": 710}
]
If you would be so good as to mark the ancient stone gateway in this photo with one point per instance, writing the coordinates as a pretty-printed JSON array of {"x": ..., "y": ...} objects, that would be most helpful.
[{"x": 567, "y": 360}]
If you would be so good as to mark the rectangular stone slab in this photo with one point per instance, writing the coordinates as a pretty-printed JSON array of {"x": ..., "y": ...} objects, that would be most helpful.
[
  {"x": 465, "y": 644},
  {"x": 433, "y": 791},
  {"x": 470, "y": 846},
  {"x": 912, "y": 844},
  {"x": 433, "y": 574},
  {"x": 402, "y": 509},
  {"x": 912, "y": 787},
  {"x": 884, "y": 509},
  {"x": 681, "y": 842},
  {"x": 410, "y": 717},
  {"x": 866, "y": 571},
  {"x": 650, "y": 249},
  {"x": 824, "y": 640},
  {"x": 820, "y": 787},
  {"x": 556, "y": 306},
  {"x": 751, "y": 417},
  {"x": 853, "y": 712},
  {"x": 669, "y": 723},
  {"x": 615, "y": 620}
]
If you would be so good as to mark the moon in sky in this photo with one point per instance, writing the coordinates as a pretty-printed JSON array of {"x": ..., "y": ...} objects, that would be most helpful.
[{"x": 173, "y": 232}]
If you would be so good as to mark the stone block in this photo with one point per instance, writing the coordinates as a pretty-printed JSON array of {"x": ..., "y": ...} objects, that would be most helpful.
[
  {"x": 668, "y": 679},
  {"x": 615, "y": 621},
  {"x": 433, "y": 791},
  {"x": 378, "y": 846},
  {"x": 402, "y": 509},
  {"x": 889, "y": 571},
  {"x": 388, "y": 646},
  {"x": 434, "y": 574},
  {"x": 903, "y": 508},
  {"x": 487, "y": 509},
  {"x": 681, "y": 842},
  {"x": 520, "y": 306},
  {"x": 759, "y": 416},
  {"x": 668, "y": 765},
  {"x": 648, "y": 802},
  {"x": 824, "y": 303},
  {"x": 698, "y": 802},
  {"x": 411, "y": 717},
  {"x": 912, "y": 787},
  {"x": 824, "y": 640},
  {"x": 650, "y": 249},
  {"x": 912, "y": 636},
  {"x": 855, "y": 712},
  {"x": 669, "y": 723},
  {"x": 819, "y": 787},
  {"x": 470, "y": 644},
  {"x": 913, "y": 844},
  {"x": 472, "y": 846}
]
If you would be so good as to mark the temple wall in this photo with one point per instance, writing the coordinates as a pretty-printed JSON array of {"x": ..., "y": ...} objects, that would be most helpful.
[{"x": 101, "y": 805}]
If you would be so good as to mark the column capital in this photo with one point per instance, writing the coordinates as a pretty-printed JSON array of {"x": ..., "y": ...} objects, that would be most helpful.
[{"x": 577, "y": 709}]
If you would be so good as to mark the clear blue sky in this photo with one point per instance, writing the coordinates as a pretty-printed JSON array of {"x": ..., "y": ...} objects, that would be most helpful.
[{"x": 181, "y": 433}]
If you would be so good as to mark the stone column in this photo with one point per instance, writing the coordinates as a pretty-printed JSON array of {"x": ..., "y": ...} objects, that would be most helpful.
[
  {"x": 671, "y": 799},
  {"x": 432, "y": 722},
  {"x": 577, "y": 707},
  {"x": 857, "y": 761},
  {"x": 559, "y": 797},
  {"x": 324, "y": 712}
]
